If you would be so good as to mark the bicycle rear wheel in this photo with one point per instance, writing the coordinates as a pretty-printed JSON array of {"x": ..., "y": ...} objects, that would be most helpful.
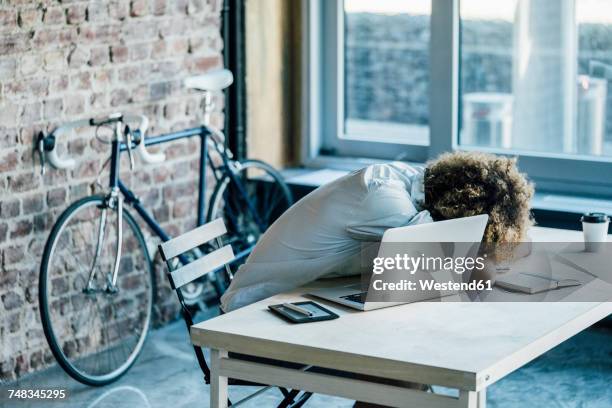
[
  {"x": 95, "y": 334},
  {"x": 268, "y": 198}
]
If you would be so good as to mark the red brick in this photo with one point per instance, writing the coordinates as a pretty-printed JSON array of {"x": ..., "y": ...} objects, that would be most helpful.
[
  {"x": 159, "y": 7},
  {"x": 182, "y": 209},
  {"x": 58, "y": 84},
  {"x": 9, "y": 115},
  {"x": 162, "y": 214},
  {"x": 8, "y": 18},
  {"x": 99, "y": 56},
  {"x": 74, "y": 105},
  {"x": 77, "y": 147},
  {"x": 3, "y": 232},
  {"x": 12, "y": 300},
  {"x": 28, "y": 18},
  {"x": 102, "y": 79},
  {"x": 130, "y": 74},
  {"x": 54, "y": 15},
  {"x": 32, "y": 112},
  {"x": 119, "y": 97},
  {"x": 118, "y": 53},
  {"x": 140, "y": 30},
  {"x": 79, "y": 190},
  {"x": 160, "y": 90},
  {"x": 203, "y": 64},
  {"x": 12, "y": 255},
  {"x": 43, "y": 223},
  {"x": 32, "y": 204},
  {"x": 9, "y": 208},
  {"x": 105, "y": 33},
  {"x": 119, "y": 9},
  {"x": 98, "y": 100},
  {"x": 181, "y": 6},
  {"x": 159, "y": 49},
  {"x": 178, "y": 46},
  {"x": 76, "y": 13},
  {"x": 56, "y": 197},
  {"x": 81, "y": 81},
  {"x": 35, "y": 86},
  {"x": 24, "y": 182},
  {"x": 52, "y": 108},
  {"x": 21, "y": 229},
  {"x": 54, "y": 60},
  {"x": 14, "y": 42},
  {"x": 9, "y": 161},
  {"x": 174, "y": 110},
  {"x": 178, "y": 190},
  {"x": 139, "y": 52},
  {"x": 139, "y": 8}
]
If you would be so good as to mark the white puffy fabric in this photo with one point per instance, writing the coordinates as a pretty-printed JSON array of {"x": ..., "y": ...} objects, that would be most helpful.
[{"x": 322, "y": 234}]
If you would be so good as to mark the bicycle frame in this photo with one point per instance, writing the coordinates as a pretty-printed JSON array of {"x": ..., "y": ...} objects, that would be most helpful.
[{"x": 205, "y": 160}]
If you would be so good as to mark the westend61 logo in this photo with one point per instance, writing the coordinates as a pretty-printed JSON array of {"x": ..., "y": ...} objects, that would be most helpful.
[{"x": 412, "y": 264}]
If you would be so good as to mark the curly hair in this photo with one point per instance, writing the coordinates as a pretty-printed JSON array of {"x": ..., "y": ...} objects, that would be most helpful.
[{"x": 462, "y": 184}]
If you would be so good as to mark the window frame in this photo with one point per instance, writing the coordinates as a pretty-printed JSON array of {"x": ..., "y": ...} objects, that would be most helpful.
[{"x": 323, "y": 87}]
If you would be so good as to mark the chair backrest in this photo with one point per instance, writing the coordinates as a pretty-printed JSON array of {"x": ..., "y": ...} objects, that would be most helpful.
[
  {"x": 183, "y": 274},
  {"x": 173, "y": 248}
]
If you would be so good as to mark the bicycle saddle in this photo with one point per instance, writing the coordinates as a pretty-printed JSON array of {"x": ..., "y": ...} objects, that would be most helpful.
[{"x": 211, "y": 81}]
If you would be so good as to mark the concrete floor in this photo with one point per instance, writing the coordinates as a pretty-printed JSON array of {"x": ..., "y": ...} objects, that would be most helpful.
[{"x": 575, "y": 374}]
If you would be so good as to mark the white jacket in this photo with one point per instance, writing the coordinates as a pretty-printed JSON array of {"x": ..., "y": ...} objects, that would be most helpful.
[{"x": 321, "y": 235}]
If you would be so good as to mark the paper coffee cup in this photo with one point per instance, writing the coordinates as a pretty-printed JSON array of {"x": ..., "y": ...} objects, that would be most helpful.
[{"x": 595, "y": 230}]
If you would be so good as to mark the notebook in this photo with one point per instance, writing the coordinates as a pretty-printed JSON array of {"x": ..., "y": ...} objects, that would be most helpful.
[{"x": 532, "y": 283}]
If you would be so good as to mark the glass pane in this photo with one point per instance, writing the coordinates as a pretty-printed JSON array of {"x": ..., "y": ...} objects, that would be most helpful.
[
  {"x": 386, "y": 70},
  {"x": 536, "y": 75}
]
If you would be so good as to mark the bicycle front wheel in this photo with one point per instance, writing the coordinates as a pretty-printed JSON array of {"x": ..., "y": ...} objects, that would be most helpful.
[{"x": 95, "y": 333}]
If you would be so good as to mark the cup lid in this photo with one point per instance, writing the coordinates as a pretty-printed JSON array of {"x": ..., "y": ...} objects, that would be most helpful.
[{"x": 595, "y": 218}]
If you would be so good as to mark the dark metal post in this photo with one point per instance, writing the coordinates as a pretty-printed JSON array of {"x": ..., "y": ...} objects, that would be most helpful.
[
  {"x": 234, "y": 57},
  {"x": 202, "y": 185}
]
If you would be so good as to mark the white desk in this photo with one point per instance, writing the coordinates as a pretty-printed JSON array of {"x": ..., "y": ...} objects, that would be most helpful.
[{"x": 467, "y": 346}]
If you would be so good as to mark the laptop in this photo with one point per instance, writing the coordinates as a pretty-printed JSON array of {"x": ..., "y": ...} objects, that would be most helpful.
[{"x": 467, "y": 229}]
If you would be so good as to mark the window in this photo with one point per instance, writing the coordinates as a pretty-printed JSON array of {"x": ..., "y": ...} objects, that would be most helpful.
[
  {"x": 535, "y": 76},
  {"x": 370, "y": 49},
  {"x": 386, "y": 71},
  {"x": 409, "y": 79}
]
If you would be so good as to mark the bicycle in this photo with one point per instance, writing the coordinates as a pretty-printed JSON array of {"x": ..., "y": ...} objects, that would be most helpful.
[{"x": 97, "y": 285}]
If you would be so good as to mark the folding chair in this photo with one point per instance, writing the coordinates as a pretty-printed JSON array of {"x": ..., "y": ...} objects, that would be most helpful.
[{"x": 180, "y": 275}]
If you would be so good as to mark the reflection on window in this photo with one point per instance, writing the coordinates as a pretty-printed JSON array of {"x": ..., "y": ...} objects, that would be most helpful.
[
  {"x": 386, "y": 70},
  {"x": 536, "y": 75}
]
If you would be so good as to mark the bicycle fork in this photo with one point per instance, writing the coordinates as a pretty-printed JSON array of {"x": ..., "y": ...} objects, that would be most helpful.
[{"x": 114, "y": 199}]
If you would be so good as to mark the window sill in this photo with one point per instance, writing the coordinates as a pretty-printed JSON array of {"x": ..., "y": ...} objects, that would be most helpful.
[{"x": 552, "y": 210}]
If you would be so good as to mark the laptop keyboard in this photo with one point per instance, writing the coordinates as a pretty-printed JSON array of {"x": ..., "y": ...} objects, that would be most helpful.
[{"x": 356, "y": 297}]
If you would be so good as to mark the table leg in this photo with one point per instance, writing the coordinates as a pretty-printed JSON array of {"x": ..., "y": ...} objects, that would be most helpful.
[
  {"x": 218, "y": 384},
  {"x": 468, "y": 399},
  {"x": 482, "y": 399}
]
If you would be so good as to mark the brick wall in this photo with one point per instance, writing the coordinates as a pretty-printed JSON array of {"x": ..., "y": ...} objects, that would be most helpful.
[{"x": 66, "y": 60}]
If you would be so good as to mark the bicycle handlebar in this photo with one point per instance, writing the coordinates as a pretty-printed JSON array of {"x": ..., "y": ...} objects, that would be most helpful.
[{"x": 67, "y": 163}]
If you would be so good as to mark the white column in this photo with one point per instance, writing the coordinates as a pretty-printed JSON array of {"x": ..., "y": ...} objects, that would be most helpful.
[{"x": 544, "y": 76}]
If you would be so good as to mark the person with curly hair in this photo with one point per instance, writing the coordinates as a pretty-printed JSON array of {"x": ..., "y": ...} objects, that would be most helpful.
[
  {"x": 321, "y": 235},
  {"x": 463, "y": 184}
]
